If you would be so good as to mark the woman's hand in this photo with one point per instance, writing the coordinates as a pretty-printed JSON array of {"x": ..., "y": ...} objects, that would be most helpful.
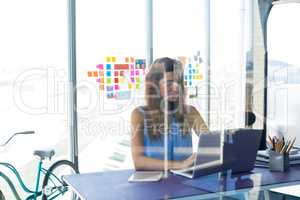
[{"x": 185, "y": 163}]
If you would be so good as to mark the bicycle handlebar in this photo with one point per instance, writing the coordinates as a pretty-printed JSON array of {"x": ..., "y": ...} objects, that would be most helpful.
[{"x": 19, "y": 133}]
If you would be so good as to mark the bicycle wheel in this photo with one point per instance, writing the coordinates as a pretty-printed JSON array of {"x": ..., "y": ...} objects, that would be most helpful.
[
  {"x": 1, "y": 196},
  {"x": 53, "y": 184}
]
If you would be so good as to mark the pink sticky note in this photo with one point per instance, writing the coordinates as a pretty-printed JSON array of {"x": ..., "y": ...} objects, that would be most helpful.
[
  {"x": 98, "y": 80},
  {"x": 131, "y": 66},
  {"x": 137, "y": 72},
  {"x": 132, "y": 73},
  {"x": 100, "y": 66},
  {"x": 116, "y": 87}
]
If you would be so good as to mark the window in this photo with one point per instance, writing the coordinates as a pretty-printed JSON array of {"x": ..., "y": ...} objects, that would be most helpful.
[
  {"x": 111, "y": 53},
  {"x": 283, "y": 70},
  {"x": 33, "y": 82}
]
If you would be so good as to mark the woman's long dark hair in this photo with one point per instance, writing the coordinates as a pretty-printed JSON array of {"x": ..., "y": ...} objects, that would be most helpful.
[{"x": 155, "y": 102}]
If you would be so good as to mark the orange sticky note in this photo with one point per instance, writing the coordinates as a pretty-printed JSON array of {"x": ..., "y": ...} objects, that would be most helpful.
[
  {"x": 131, "y": 59},
  {"x": 127, "y": 59},
  {"x": 90, "y": 74},
  {"x": 95, "y": 74}
]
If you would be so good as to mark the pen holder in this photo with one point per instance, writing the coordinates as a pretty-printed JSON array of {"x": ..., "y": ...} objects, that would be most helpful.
[{"x": 278, "y": 161}]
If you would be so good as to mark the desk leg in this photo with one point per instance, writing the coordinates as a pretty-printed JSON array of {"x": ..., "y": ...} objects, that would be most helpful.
[{"x": 266, "y": 195}]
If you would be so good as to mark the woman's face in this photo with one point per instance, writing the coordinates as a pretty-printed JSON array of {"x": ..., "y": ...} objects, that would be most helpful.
[{"x": 169, "y": 87}]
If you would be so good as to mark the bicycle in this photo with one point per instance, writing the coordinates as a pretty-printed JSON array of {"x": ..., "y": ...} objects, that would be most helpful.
[{"x": 53, "y": 185}]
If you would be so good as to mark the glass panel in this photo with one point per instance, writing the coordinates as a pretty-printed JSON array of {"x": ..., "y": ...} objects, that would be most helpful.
[
  {"x": 33, "y": 83},
  {"x": 284, "y": 70},
  {"x": 111, "y": 52},
  {"x": 180, "y": 32},
  {"x": 228, "y": 70}
]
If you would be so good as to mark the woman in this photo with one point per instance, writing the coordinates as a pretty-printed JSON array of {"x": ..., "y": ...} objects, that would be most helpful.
[{"x": 164, "y": 83}]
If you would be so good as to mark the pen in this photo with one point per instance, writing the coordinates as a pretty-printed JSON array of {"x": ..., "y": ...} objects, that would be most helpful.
[{"x": 291, "y": 145}]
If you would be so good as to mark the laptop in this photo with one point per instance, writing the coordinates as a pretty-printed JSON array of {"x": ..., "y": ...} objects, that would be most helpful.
[{"x": 237, "y": 153}]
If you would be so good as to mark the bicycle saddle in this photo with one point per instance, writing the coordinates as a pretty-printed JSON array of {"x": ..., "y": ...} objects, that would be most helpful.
[{"x": 44, "y": 153}]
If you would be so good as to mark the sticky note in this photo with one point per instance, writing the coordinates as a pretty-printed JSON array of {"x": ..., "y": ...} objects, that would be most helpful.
[
  {"x": 137, "y": 86},
  {"x": 116, "y": 80},
  {"x": 197, "y": 65},
  {"x": 129, "y": 85},
  {"x": 108, "y": 66},
  {"x": 121, "y": 80},
  {"x": 131, "y": 66},
  {"x": 121, "y": 95},
  {"x": 108, "y": 73},
  {"x": 116, "y": 73},
  {"x": 137, "y": 72},
  {"x": 90, "y": 74},
  {"x": 109, "y": 88},
  {"x": 132, "y": 80},
  {"x": 122, "y": 73},
  {"x": 108, "y": 80},
  {"x": 132, "y": 73},
  {"x": 95, "y": 74},
  {"x": 113, "y": 59},
  {"x": 137, "y": 80},
  {"x": 190, "y": 65},
  {"x": 101, "y": 87},
  {"x": 116, "y": 87},
  {"x": 108, "y": 59},
  {"x": 121, "y": 66},
  {"x": 190, "y": 83},
  {"x": 101, "y": 73},
  {"x": 102, "y": 80},
  {"x": 131, "y": 59},
  {"x": 100, "y": 66},
  {"x": 127, "y": 59},
  {"x": 98, "y": 80}
]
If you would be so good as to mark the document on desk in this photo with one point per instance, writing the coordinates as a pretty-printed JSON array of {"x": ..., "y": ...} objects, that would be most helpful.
[{"x": 146, "y": 176}]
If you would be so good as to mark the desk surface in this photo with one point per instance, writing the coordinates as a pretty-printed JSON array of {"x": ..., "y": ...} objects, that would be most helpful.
[
  {"x": 288, "y": 190},
  {"x": 114, "y": 184}
]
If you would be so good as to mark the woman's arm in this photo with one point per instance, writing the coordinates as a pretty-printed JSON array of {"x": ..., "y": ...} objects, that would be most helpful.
[
  {"x": 196, "y": 121},
  {"x": 142, "y": 162}
]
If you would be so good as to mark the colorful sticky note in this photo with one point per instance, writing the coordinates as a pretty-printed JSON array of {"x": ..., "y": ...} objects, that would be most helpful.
[
  {"x": 98, "y": 80},
  {"x": 108, "y": 66},
  {"x": 101, "y": 87},
  {"x": 137, "y": 72},
  {"x": 108, "y": 73},
  {"x": 137, "y": 79},
  {"x": 102, "y": 80},
  {"x": 101, "y": 73},
  {"x": 129, "y": 85},
  {"x": 116, "y": 80},
  {"x": 113, "y": 59},
  {"x": 137, "y": 86},
  {"x": 116, "y": 73},
  {"x": 122, "y": 80},
  {"x": 131, "y": 66},
  {"x": 100, "y": 66},
  {"x": 122, "y": 73},
  {"x": 109, "y": 88},
  {"x": 132, "y": 80},
  {"x": 132, "y": 73},
  {"x": 108, "y": 80},
  {"x": 116, "y": 87},
  {"x": 127, "y": 59},
  {"x": 95, "y": 74},
  {"x": 132, "y": 59},
  {"x": 108, "y": 59},
  {"x": 90, "y": 74}
]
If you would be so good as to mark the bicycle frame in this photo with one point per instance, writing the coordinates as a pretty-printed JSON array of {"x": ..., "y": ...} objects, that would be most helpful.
[{"x": 33, "y": 193}]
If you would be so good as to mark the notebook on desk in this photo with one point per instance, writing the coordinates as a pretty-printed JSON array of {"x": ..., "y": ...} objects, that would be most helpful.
[{"x": 236, "y": 153}]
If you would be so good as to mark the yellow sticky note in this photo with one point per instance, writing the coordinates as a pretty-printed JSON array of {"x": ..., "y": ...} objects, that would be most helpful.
[
  {"x": 137, "y": 86},
  {"x": 198, "y": 65},
  {"x": 113, "y": 59},
  {"x": 129, "y": 85},
  {"x": 108, "y": 59}
]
